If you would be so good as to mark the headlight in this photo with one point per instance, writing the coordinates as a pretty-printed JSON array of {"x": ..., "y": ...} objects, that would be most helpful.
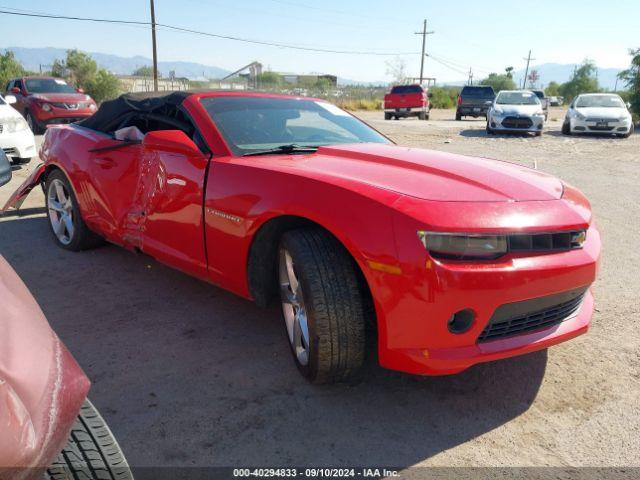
[
  {"x": 92, "y": 107},
  {"x": 580, "y": 116},
  {"x": 498, "y": 113},
  {"x": 460, "y": 246},
  {"x": 15, "y": 124},
  {"x": 46, "y": 107},
  {"x": 539, "y": 113}
]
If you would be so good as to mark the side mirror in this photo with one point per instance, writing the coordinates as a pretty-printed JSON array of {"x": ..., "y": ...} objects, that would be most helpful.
[
  {"x": 10, "y": 99},
  {"x": 628, "y": 105},
  {"x": 15, "y": 90},
  {"x": 175, "y": 141},
  {"x": 5, "y": 169}
]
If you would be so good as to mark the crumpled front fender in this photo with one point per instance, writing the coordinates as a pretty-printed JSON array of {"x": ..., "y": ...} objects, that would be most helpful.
[{"x": 19, "y": 196}]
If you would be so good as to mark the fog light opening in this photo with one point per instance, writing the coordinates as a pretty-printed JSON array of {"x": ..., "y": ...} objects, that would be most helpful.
[{"x": 461, "y": 321}]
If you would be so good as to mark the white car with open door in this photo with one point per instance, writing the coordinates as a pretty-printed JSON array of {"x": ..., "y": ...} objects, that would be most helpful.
[{"x": 16, "y": 139}]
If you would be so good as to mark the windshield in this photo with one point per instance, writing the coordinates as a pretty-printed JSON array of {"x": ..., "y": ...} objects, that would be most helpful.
[
  {"x": 251, "y": 124},
  {"x": 477, "y": 92},
  {"x": 607, "y": 101},
  {"x": 48, "y": 85},
  {"x": 407, "y": 89},
  {"x": 517, "y": 98}
]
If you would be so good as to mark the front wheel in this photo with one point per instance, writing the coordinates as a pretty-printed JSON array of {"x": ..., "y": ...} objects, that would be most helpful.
[
  {"x": 33, "y": 124},
  {"x": 322, "y": 305},
  {"x": 630, "y": 132},
  {"x": 68, "y": 229},
  {"x": 566, "y": 128}
]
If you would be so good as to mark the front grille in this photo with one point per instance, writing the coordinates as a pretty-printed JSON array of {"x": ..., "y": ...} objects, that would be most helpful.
[
  {"x": 596, "y": 119},
  {"x": 545, "y": 242},
  {"x": 68, "y": 106},
  {"x": 517, "y": 122},
  {"x": 539, "y": 313}
]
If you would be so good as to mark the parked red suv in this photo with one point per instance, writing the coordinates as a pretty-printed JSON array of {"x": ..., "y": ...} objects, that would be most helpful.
[{"x": 46, "y": 100}]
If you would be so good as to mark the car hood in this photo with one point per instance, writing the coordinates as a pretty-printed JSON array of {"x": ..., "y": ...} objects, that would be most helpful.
[
  {"x": 519, "y": 109},
  {"x": 603, "y": 112},
  {"x": 61, "y": 97},
  {"x": 428, "y": 174}
]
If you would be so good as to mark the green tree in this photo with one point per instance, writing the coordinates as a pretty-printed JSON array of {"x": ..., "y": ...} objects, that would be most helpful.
[
  {"x": 269, "y": 80},
  {"x": 443, "y": 97},
  {"x": 81, "y": 68},
  {"x": 9, "y": 68},
  {"x": 631, "y": 78},
  {"x": 104, "y": 86},
  {"x": 509, "y": 72},
  {"x": 499, "y": 82},
  {"x": 584, "y": 80},
  {"x": 145, "y": 71},
  {"x": 553, "y": 89}
]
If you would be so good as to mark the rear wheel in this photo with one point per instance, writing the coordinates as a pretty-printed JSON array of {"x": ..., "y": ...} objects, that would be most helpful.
[
  {"x": 458, "y": 116},
  {"x": 422, "y": 116},
  {"x": 91, "y": 452},
  {"x": 387, "y": 116},
  {"x": 322, "y": 305},
  {"x": 68, "y": 229}
]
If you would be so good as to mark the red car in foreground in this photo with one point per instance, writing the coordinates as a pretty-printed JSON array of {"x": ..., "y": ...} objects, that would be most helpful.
[
  {"x": 453, "y": 260},
  {"x": 44, "y": 101}
]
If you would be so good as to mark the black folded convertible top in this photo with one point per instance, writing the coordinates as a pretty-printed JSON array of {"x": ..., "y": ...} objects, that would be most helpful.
[{"x": 143, "y": 102}]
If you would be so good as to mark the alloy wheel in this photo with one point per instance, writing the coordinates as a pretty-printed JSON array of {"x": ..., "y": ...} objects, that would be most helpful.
[
  {"x": 295, "y": 314},
  {"x": 60, "y": 208}
]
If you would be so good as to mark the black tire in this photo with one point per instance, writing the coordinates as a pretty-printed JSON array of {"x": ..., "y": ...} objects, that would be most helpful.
[
  {"x": 458, "y": 117},
  {"x": 630, "y": 132},
  {"x": 35, "y": 127},
  {"x": 91, "y": 451},
  {"x": 20, "y": 161},
  {"x": 387, "y": 116},
  {"x": 538, "y": 134},
  {"x": 566, "y": 128},
  {"x": 422, "y": 116},
  {"x": 490, "y": 131},
  {"x": 82, "y": 238},
  {"x": 334, "y": 303},
  {"x": 427, "y": 115}
]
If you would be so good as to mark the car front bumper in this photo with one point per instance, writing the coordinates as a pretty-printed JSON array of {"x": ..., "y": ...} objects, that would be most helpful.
[
  {"x": 20, "y": 144},
  {"x": 602, "y": 127},
  {"x": 414, "y": 308},
  {"x": 60, "y": 115},
  {"x": 510, "y": 123}
]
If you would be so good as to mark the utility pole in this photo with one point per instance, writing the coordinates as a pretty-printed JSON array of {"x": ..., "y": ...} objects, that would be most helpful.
[
  {"x": 424, "y": 34},
  {"x": 526, "y": 72},
  {"x": 155, "y": 53},
  {"x": 470, "y": 81}
]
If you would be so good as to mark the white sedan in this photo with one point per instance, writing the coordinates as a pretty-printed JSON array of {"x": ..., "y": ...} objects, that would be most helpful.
[
  {"x": 516, "y": 111},
  {"x": 16, "y": 139},
  {"x": 603, "y": 113}
]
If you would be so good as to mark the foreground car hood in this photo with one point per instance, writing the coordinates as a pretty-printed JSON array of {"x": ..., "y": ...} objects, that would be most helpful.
[
  {"x": 41, "y": 385},
  {"x": 431, "y": 175},
  {"x": 603, "y": 112},
  {"x": 61, "y": 97}
]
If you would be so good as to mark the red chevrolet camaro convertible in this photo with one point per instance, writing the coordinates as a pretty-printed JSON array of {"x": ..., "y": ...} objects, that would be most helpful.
[{"x": 451, "y": 260}]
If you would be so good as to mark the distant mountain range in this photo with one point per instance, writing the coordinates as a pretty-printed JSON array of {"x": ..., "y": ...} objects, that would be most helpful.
[{"x": 33, "y": 58}]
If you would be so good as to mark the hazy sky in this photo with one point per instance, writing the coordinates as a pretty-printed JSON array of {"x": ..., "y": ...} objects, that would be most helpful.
[{"x": 485, "y": 35}]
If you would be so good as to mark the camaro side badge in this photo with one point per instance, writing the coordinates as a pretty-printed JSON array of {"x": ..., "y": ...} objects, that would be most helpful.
[{"x": 224, "y": 215}]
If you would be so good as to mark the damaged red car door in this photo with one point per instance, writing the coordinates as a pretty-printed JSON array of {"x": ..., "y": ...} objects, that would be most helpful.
[{"x": 169, "y": 199}]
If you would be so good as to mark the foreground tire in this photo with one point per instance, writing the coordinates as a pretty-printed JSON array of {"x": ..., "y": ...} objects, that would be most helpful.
[
  {"x": 67, "y": 227},
  {"x": 322, "y": 305},
  {"x": 91, "y": 452}
]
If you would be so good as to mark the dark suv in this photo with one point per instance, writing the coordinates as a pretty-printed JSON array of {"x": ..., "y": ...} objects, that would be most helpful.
[{"x": 474, "y": 101}]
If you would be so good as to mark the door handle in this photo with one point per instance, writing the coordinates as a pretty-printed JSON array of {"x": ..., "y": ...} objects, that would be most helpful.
[{"x": 104, "y": 162}]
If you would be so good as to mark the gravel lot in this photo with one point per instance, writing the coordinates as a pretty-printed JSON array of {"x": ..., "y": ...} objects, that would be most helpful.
[{"x": 187, "y": 374}]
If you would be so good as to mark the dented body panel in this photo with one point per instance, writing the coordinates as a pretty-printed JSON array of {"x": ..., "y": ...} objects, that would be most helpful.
[
  {"x": 200, "y": 211},
  {"x": 41, "y": 386}
]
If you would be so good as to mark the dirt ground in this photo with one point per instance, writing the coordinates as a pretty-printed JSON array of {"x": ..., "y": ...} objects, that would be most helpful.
[{"x": 187, "y": 374}]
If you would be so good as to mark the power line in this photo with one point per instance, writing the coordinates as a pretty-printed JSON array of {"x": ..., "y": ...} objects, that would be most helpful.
[{"x": 209, "y": 34}]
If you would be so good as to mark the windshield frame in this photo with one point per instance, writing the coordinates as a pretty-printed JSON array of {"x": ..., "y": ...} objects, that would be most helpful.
[
  {"x": 586, "y": 97},
  {"x": 53, "y": 80},
  {"x": 237, "y": 150},
  {"x": 522, "y": 93}
]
